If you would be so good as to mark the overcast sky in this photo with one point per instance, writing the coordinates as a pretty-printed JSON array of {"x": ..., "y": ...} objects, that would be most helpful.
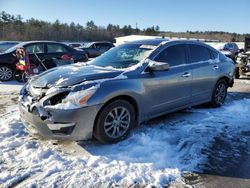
[{"x": 170, "y": 15}]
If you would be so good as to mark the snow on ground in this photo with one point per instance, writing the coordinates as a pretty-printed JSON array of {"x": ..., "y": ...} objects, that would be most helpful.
[
  {"x": 156, "y": 153},
  {"x": 10, "y": 87},
  {"x": 244, "y": 80}
]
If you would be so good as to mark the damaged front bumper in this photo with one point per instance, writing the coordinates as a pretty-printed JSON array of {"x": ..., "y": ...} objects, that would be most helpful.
[{"x": 66, "y": 124}]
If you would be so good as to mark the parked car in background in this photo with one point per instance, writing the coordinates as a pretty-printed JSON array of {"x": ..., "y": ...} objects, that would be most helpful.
[
  {"x": 75, "y": 44},
  {"x": 6, "y": 45},
  {"x": 127, "y": 85},
  {"x": 230, "y": 49},
  {"x": 94, "y": 49},
  {"x": 45, "y": 50}
]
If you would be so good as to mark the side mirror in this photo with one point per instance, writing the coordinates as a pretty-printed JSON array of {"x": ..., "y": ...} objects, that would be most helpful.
[{"x": 158, "y": 66}]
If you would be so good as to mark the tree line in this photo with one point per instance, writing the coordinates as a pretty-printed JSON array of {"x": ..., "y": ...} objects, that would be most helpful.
[{"x": 14, "y": 27}]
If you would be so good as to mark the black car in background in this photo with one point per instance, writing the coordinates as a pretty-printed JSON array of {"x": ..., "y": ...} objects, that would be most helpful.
[
  {"x": 6, "y": 45},
  {"x": 45, "y": 50},
  {"x": 94, "y": 49}
]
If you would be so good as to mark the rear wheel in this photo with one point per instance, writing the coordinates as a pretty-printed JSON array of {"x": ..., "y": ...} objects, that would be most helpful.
[
  {"x": 114, "y": 122},
  {"x": 25, "y": 76},
  {"x": 18, "y": 75},
  {"x": 6, "y": 73},
  {"x": 219, "y": 93}
]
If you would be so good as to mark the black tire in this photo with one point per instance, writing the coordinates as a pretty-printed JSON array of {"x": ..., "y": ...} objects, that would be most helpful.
[
  {"x": 6, "y": 73},
  {"x": 18, "y": 75},
  {"x": 237, "y": 73},
  {"x": 106, "y": 125},
  {"x": 25, "y": 77},
  {"x": 219, "y": 93}
]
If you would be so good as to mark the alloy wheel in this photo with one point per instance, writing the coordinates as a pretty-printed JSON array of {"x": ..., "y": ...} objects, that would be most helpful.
[
  {"x": 5, "y": 73},
  {"x": 117, "y": 122},
  {"x": 220, "y": 93}
]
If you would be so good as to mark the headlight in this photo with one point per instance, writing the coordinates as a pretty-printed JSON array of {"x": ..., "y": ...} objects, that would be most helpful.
[
  {"x": 74, "y": 99},
  {"x": 79, "y": 98}
]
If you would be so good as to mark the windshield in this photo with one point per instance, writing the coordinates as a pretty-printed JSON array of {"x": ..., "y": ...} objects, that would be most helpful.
[
  {"x": 123, "y": 56},
  {"x": 5, "y": 46}
]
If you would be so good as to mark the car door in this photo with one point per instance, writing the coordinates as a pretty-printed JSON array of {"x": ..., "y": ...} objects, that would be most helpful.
[
  {"x": 36, "y": 52},
  {"x": 170, "y": 89},
  {"x": 54, "y": 53},
  {"x": 99, "y": 49},
  {"x": 92, "y": 50},
  {"x": 205, "y": 71}
]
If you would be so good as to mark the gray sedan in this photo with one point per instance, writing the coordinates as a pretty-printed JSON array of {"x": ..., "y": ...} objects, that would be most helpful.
[{"x": 129, "y": 84}]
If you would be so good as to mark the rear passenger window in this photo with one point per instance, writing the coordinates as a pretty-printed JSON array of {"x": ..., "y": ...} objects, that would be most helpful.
[
  {"x": 199, "y": 53},
  {"x": 173, "y": 55},
  {"x": 55, "y": 48},
  {"x": 214, "y": 54}
]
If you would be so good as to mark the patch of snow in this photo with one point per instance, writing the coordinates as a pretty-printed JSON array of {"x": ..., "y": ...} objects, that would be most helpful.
[
  {"x": 10, "y": 86},
  {"x": 52, "y": 90},
  {"x": 244, "y": 81},
  {"x": 153, "y": 155},
  {"x": 61, "y": 80}
]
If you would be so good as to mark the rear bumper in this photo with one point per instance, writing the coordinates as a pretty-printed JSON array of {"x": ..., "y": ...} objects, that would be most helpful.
[{"x": 73, "y": 124}]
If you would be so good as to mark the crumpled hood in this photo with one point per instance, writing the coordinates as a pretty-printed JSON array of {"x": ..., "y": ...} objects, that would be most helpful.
[{"x": 64, "y": 76}]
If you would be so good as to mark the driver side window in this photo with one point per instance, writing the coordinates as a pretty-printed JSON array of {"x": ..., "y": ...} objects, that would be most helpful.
[
  {"x": 56, "y": 48},
  {"x": 173, "y": 55}
]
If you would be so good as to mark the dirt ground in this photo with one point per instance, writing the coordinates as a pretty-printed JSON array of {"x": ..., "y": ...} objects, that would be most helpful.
[
  {"x": 7, "y": 100},
  {"x": 236, "y": 170}
]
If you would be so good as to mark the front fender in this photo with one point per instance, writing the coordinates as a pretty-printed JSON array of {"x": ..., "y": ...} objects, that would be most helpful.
[{"x": 115, "y": 88}]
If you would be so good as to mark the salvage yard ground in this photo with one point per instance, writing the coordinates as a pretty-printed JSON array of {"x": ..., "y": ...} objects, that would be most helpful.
[{"x": 201, "y": 147}]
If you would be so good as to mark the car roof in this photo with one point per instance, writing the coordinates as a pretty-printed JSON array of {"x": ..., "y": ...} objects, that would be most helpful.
[
  {"x": 30, "y": 42},
  {"x": 9, "y": 42},
  {"x": 22, "y": 44},
  {"x": 154, "y": 42},
  {"x": 99, "y": 42},
  {"x": 163, "y": 41}
]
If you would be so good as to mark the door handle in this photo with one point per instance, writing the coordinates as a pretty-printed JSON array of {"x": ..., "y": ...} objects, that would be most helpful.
[
  {"x": 215, "y": 67},
  {"x": 186, "y": 75}
]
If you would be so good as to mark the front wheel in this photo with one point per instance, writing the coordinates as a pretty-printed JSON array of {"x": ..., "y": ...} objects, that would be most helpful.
[
  {"x": 219, "y": 93},
  {"x": 114, "y": 122},
  {"x": 6, "y": 73}
]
